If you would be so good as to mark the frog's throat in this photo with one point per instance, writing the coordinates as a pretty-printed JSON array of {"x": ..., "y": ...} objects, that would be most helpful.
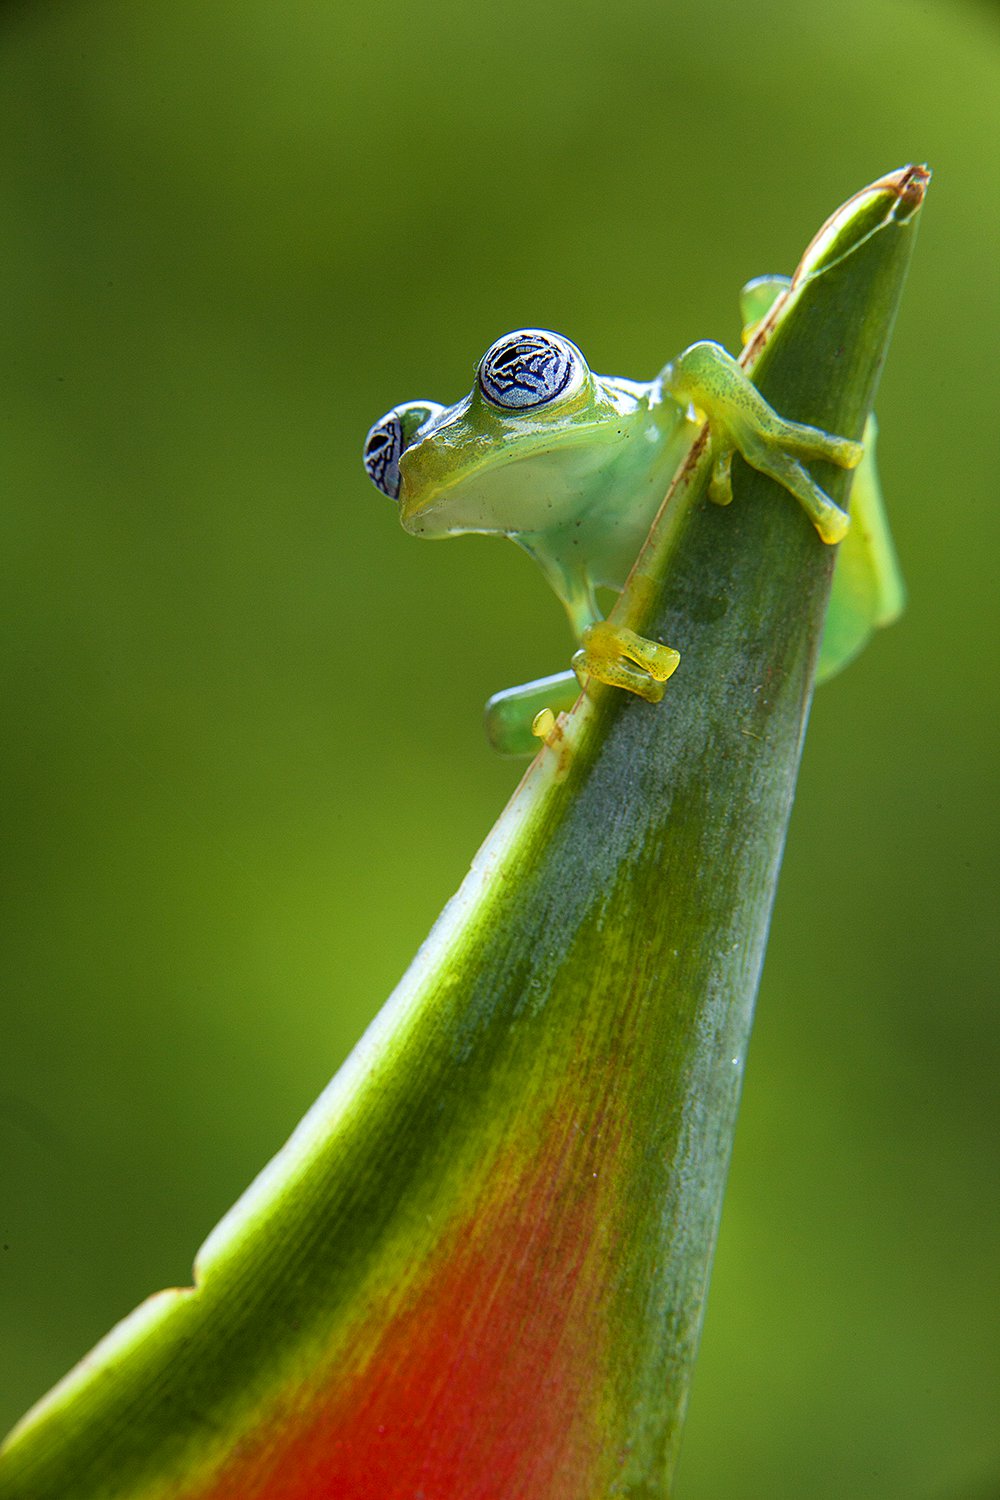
[{"x": 431, "y": 481}]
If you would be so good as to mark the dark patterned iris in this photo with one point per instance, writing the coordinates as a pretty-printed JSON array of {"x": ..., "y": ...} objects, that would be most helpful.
[
  {"x": 383, "y": 445},
  {"x": 525, "y": 370}
]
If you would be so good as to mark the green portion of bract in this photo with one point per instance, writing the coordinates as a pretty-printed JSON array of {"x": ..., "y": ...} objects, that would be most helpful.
[{"x": 555, "y": 1082}]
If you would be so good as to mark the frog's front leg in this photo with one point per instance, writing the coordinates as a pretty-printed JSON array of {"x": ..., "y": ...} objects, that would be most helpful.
[
  {"x": 517, "y": 718},
  {"x": 608, "y": 652},
  {"x": 616, "y": 655},
  {"x": 740, "y": 420}
]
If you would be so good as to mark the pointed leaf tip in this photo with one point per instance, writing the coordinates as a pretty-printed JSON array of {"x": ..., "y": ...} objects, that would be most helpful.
[{"x": 895, "y": 198}]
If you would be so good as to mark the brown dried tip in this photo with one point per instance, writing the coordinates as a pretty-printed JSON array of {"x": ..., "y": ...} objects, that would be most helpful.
[
  {"x": 908, "y": 183},
  {"x": 894, "y": 198}
]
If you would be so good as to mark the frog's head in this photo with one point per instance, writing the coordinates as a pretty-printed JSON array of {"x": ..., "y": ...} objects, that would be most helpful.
[{"x": 533, "y": 428}]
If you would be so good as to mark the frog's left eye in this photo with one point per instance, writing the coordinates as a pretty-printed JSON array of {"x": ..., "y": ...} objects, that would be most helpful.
[
  {"x": 530, "y": 369},
  {"x": 383, "y": 446}
]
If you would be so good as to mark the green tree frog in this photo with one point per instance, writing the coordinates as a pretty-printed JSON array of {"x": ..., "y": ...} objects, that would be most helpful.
[{"x": 572, "y": 466}]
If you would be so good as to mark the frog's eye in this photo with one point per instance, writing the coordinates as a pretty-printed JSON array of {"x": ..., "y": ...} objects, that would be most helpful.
[
  {"x": 383, "y": 445},
  {"x": 530, "y": 368}
]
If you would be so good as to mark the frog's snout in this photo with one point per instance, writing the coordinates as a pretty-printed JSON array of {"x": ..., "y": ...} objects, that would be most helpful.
[
  {"x": 415, "y": 492},
  {"x": 426, "y": 472}
]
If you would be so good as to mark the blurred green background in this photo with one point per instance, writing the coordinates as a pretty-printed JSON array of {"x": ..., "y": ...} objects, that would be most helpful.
[{"x": 242, "y": 758}]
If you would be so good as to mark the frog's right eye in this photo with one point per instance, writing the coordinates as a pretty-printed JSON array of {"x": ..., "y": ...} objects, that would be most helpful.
[
  {"x": 383, "y": 447},
  {"x": 529, "y": 369}
]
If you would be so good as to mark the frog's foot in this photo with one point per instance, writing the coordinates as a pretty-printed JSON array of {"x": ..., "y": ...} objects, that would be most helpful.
[
  {"x": 772, "y": 450},
  {"x": 617, "y": 656},
  {"x": 740, "y": 420}
]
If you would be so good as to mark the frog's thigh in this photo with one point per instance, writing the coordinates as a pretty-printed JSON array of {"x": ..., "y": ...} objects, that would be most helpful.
[
  {"x": 708, "y": 378},
  {"x": 509, "y": 716},
  {"x": 617, "y": 656}
]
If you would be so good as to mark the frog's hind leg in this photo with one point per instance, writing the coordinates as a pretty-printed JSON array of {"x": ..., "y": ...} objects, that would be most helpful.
[
  {"x": 868, "y": 589},
  {"x": 756, "y": 300},
  {"x": 519, "y": 717},
  {"x": 739, "y": 418}
]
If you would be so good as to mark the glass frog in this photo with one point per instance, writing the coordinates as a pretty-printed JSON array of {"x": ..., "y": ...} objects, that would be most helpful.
[{"x": 572, "y": 466}]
